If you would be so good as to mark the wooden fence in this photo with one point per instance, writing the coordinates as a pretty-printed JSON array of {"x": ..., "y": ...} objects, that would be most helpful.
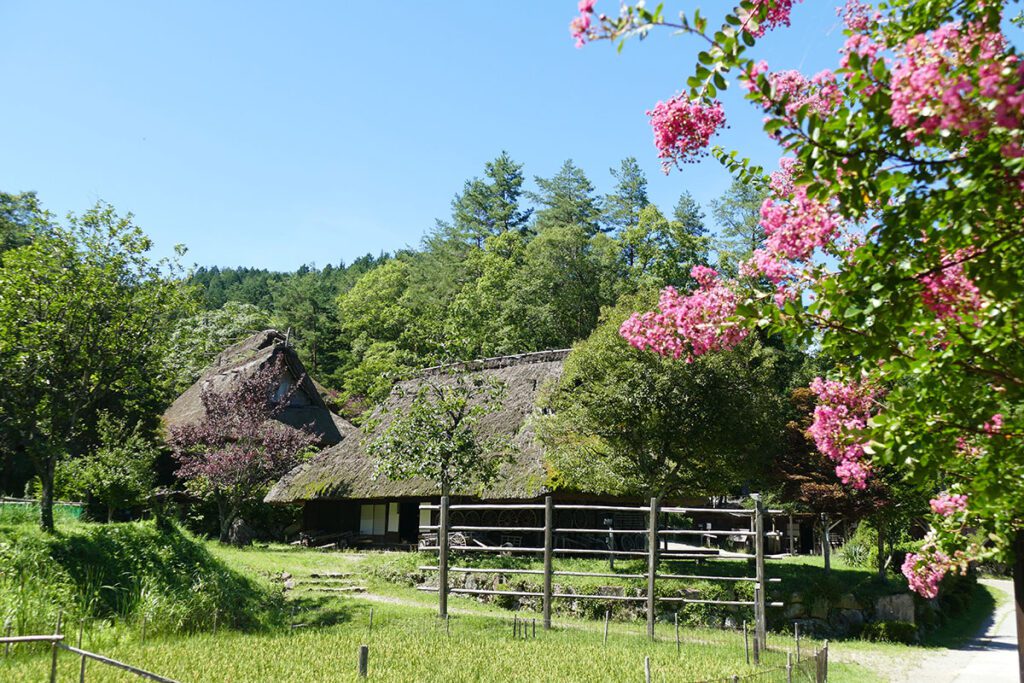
[
  {"x": 56, "y": 641},
  {"x": 655, "y": 534}
]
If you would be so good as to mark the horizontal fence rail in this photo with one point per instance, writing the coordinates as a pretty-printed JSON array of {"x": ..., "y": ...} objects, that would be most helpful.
[{"x": 644, "y": 521}]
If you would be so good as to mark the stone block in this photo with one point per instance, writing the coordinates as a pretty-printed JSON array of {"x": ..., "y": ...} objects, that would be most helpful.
[{"x": 895, "y": 608}]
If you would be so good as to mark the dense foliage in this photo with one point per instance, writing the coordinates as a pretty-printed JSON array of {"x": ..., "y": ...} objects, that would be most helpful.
[
  {"x": 85, "y": 317},
  {"x": 634, "y": 423}
]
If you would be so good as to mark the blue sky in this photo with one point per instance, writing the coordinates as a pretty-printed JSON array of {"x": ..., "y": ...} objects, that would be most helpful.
[{"x": 276, "y": 134}]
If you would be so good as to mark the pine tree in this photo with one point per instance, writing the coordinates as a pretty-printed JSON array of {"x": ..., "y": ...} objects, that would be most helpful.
[
  {"x": 567, "y": 198},
  {"x": 623, "y": 206}
]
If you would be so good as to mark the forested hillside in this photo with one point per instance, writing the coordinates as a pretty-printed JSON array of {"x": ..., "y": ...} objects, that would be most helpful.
[{"x": 517, "y": 266}]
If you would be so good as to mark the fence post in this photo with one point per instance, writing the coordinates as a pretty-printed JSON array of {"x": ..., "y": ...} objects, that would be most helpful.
[
  {"x": 652, "y": 564},
  {"x": 53, "y": 648},
  {"x": 549, "y": 523},
  {"x": 760, "y": 626},
  {"x": 796, "y": 634},
  {"x": 789, "y": 667},
  {"x": 746, "y": 642},
  {"x": 442, "y": 556}
]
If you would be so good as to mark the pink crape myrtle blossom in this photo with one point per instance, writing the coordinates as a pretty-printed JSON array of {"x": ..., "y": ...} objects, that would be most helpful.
[
  {"x": 946, "y": 504},
  {"x": 781, "y": 181},
  {"x": 857, "y": 16},
  {"x": 579, "y": 26},
  {"x": 778, "y": 15},
  {"x": 966, "y": 449},
  {"x": 683, "y": 128},
  {"x": 688, "y": 326},
  {"x": 949, "y": 293},
  {"x": 796, "y": 228},
  {"x": 957, "y": 79},
  {"x": 994, "y": 425},
  {"x": 842, "y": 409},
  {"x": 820, "y": 94},
  {"x": 924, "y": 571}
]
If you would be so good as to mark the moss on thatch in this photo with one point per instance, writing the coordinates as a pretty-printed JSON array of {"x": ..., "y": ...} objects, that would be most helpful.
[
  {"x": 346, "y": 471},
  {"x": 245, "y": 357}
]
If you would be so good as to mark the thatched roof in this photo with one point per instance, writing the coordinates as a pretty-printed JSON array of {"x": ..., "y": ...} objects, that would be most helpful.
[
  {"x": 306, "y": 407},
  {"x": 346, "y": 471}
]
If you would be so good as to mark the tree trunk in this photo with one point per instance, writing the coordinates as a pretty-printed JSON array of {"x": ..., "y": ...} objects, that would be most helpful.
[
  {"x": 1018, "y": 596},
  {"x": 881, "y": 550},
  {"x": 46, "y": 499},
  {"x": 826, "y": 542},
  {"x": 226, "y": 517},
  {"x": 110, "y": 514}
]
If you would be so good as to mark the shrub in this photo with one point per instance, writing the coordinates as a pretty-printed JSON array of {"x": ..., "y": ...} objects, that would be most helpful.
[{"x": 891, "y": 632}]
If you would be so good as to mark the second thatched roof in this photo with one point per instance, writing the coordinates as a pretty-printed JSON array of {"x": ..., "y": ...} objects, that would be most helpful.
[
  {"x": 347, "y": 471},
  {"x": 306, "y": 407}
]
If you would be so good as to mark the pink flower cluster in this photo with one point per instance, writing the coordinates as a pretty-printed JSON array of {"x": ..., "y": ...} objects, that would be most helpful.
[
  {"x": 579, "y": 26},
  {"x": 683, "y": 128},
  {"x": 856, "y": 15},
  {"x": 820, "y": 94},
  {"x": 924, "y": 571},
  {"x": 778, "y": 12},
  {"x": 781, "y": 181},
  {"x": 796, "y": 228},
  {"x": 688, "y": 325},
  {"x": 957, "y": 79},
  {"x": 947, "y": 504},
  {"x": 993, "y": 426},
  {"x": 949, "y": 293},
  {"x": 842, "y": 409}
]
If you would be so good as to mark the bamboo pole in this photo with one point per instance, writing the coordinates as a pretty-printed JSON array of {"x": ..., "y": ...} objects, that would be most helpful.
[
  {"x": 549, "y": 523},
  {"x": 81, "y": 665},
  {"x": 760, "y": 616},
  {"x": 607, "y": 614},
  {"x": 53, "y": 647},
  {"x": 652, "y": 564}
]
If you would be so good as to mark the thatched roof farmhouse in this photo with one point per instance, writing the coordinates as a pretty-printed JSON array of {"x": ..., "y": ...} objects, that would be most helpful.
[
  {"x": 305, "y": 407},
  {"x": 338, "y": 489}
]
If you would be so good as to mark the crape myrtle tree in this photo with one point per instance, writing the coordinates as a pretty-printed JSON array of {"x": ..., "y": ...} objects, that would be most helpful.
[
  {"x": 438, "y": 437},
  {"x": 238, "y": 448},
  {"x": 893, "y": 239},
  {"x": 85, "y": 317}
]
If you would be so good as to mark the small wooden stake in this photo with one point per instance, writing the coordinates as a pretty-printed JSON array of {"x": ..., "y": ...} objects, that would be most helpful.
[
  {"x": 515, "y": 626},
  {"x": 677, "y": 632},
  {"x": 533, "y": 628},
  {"x": 607, "y": 613},
  {"x": 370, "y": 629},
  {"x": 757, "y": 650},
  {"x": 789, "y": 667},
  {"x": 447, "y": 626},
  {"x": 647, "y": 669},
  {"x": 364, "y": 660},
  {"x": 746, "y": 641}
]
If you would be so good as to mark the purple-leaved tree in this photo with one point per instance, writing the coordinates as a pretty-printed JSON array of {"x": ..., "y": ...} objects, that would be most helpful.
[{"x": 238, "y": 448}]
